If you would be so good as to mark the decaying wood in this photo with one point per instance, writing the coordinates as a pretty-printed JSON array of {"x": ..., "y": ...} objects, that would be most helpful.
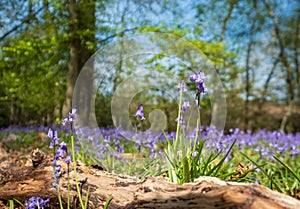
[{"x": 129, "y": 192}]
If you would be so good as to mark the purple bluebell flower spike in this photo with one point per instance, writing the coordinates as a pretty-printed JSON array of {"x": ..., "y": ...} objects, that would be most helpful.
[
  {"x": 36, "y": 202},
  {"x": 140, "y": 112},
  {"x": 182, "y": 86}
]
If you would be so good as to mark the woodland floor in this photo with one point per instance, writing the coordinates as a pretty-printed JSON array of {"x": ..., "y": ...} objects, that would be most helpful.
[{"x": 28, "y": 172}]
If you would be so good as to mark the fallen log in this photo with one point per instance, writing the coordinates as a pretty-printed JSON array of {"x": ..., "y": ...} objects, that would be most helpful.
[{"x": 36, "y": 179}]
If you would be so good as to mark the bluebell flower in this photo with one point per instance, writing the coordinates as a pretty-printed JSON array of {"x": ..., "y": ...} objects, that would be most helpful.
[
  {"x": 255, "y": 180},
  {"x": 181, "y": 120},
  {"x": 195, "y": 154},
  {"x": 54, "y": 162},
  {"x": 186, "y": 105},
  {"x": 57, "y": 170},
  {"x": 140, "y": 112},
  {"x": 152, "y": 153},
  {"x": 68, "y": 159},
  {"x": 197, "y": 103},
  {"x": 201, "y": 88},
  {"x": 107, "y": 139},
  {"x": 60, "y": 153},
  {"x": 54, "y": 138},
  {"x": 36, "y": 202},
  {"x": 50, "y": 134},
  {"x": 181, "y": 86},
  {"x": 69, "y": 120},
  {"x": 116, "y": 142},
  {"x": 198, "y": 77},
  {"x": 56, "y": 175},
  {"x": 63, "y": 146}
]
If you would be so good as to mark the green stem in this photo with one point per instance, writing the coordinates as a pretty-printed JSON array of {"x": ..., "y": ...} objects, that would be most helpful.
[
  {"x": 75, "y": 173},
  {"x": 179, "y": 114},
  {"x": 59, "y": 197},
  {"x": 68, "y": 186},
  {"x": 87, "y": 197}
]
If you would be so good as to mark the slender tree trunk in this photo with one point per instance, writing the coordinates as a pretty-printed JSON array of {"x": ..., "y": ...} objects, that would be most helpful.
[
  {"x": 248, "y": 68},
  {"x": 217, "y": 105},
  {"x": 87, "y": 22},
  {"x": 29, "y": 14},
  {"x": 282, "y": 54},
  {"x": 12, "y": 114},
  {"x": 296, "y": 57},
  {"x": 226, "y": 19},
  {"x": 247, "y": 86},
  {"x": 73, "y": 63},
  {"x": 286, "y": 64},
  {"x": 224, "y": 26},
  {"x": 266, "y": 85},
  {"x": 118, "y": 73},
  {"x": 286, "y": 116}
]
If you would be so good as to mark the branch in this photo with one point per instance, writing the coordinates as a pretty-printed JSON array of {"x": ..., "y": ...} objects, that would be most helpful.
[
  {"x": 224, "y": 27},
  {"x": 117, "y": 34},
  {"x": 19, "y": 25},
  {"x": 225, "y": 21},
  {"x": 266, "y": 85}
]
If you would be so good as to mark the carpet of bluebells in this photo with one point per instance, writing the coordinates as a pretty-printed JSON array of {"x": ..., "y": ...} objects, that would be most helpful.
[
  {"x": 263, "y": 142},
  {"x": 101, "y": 143}
]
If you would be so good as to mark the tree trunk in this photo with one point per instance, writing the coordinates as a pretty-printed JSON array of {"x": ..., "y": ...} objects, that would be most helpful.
[
  {"x": 296, "y": 57},
  {"x": 82, "y": 30},
  {"x": 284, "y": 60},
  {"x": 217, "y": 116},
  {"x": 22, "y": 183},
  {"x": 247, "y": 69},
  {"x": 73, "y": 63},
  {"x": 266, "y": 85}
]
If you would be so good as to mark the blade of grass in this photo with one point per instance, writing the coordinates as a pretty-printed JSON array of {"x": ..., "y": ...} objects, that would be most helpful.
[
  {"x": 218, "y": 166},
  {"x": 19, "y": 202},
  {"x": 210, "y": 159},
  {"x": 263, "y": 171},
  {"x": 287, "y": 167},
  {"x": 87, "y": 197},
  {"x": 107, "y": 201},
  {"x": 11, "y": 204}
]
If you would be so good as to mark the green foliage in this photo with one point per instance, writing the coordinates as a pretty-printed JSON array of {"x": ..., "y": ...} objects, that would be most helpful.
[
  {"x": 277, "y": 176},
  {"x": 196, "y": 162},
  {"x": 30, "y": 77},
  {"x": 291, "y": 171},
  {"x": 12, "y": 205}
]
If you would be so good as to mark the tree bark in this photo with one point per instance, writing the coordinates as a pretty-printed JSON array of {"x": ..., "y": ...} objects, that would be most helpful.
[
  {"x": 296, "y": 57},
  {"x": 248, "y": 68},
  {"x": 73, "y": 63},
  {"x": 284, "y": 60},
  {"x": 217, "y": 106},
  {"x": 82, "y": 30},
  {"x": 266, "y": 85},
  {"x": 130, "y": 192}
]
